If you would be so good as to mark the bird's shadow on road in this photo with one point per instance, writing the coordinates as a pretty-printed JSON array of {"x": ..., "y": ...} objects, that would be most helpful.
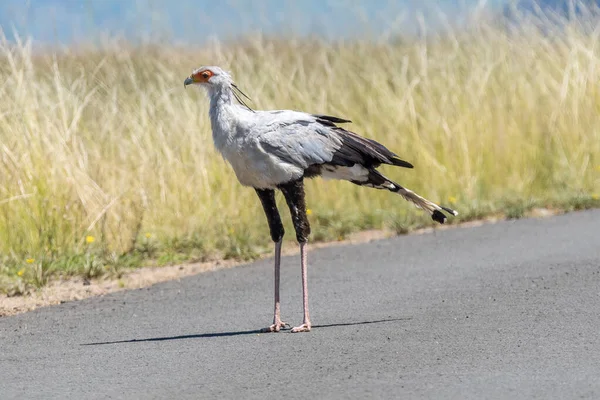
[{"x": 240, "y": 333}]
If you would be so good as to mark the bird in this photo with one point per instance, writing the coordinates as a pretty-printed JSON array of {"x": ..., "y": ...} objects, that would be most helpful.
[{"x": 279, "y": 149}]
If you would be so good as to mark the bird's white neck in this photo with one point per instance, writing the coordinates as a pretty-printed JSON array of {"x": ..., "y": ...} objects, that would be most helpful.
[
  {"x": 220, "y": 96},
  {"x": 223, "y": 115},
  {"x": 221, "y": 103}
]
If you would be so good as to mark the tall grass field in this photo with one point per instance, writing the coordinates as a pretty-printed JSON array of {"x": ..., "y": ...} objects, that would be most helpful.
[{"x": 107, "y": 162}]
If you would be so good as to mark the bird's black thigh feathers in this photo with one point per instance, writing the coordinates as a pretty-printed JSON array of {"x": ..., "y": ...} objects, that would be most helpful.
[
  {"x": 294, "y": 196},
  {"x": 267, "y": 198}
]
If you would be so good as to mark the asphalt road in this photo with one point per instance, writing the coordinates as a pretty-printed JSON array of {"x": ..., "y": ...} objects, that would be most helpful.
[{"x": 503, "y": 311}]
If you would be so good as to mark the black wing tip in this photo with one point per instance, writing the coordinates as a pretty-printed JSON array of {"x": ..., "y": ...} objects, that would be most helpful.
[
  {"x": 401, "y": 163},
  {"x": 439, "y": 216},
  {"x": 330, "y": 118}
]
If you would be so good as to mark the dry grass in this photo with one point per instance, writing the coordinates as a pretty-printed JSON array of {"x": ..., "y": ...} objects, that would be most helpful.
[{"x": 105, "y": 142}]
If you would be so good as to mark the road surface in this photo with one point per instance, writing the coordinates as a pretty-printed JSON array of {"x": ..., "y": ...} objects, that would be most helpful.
[{"x": 501, "y": 311}]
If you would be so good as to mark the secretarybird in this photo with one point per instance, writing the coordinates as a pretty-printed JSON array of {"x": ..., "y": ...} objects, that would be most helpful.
[{"x": 271, "y": 150}]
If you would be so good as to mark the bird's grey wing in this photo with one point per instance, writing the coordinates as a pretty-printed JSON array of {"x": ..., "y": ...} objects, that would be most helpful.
[
  {"x": 300, "y": 142},
  {"x": 304, "y": 140}
]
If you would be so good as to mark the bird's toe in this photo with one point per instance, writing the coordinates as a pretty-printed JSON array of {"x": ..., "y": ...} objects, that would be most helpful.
[
  {"x": 276, "y": 327},
  {"x": 302, "y": 328}
]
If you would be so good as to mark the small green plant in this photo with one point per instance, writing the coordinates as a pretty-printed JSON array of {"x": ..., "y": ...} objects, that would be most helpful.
[
  {"x": 516, "y": 209},
  {"x": 41, "y": 272}
]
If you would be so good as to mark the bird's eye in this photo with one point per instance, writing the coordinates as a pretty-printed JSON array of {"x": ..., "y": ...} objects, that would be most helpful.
[{"x": 201, "y": 76}]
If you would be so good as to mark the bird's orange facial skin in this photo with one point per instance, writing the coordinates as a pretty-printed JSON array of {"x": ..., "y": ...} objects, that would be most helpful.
[{"x": 202, "y": 76}]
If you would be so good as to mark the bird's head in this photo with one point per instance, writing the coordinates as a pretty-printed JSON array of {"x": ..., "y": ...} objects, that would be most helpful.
[
  {"x": 209, "y": 78},
  {"x": 216, "y": 81}
]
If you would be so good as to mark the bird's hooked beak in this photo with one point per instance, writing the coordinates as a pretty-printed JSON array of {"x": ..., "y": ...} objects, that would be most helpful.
[{"x": 188, "y": 81}]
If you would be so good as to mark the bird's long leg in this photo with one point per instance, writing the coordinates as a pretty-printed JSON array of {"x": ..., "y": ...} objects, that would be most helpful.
[
  {"x": 295, "y": 198},
  {"x": 305, "y": 327},
  {"x": 267, "y": 198},
  {"x": 277, "y": 323}
]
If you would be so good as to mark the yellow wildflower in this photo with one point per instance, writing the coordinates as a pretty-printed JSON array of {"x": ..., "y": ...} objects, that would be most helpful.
[
  {"x": 148, "y": 235},
  {"x": 596, "y": 196},
  {"x": 30, "y": 260},
  {"x": 231, "y": 231},
  {"x": 90, "y": 239},
  {"x": 451, "y": 199},
  {"x": 21, "y": 272},
  {"x": 308, "y": 211},
  {"x": 597, "y": 167}
]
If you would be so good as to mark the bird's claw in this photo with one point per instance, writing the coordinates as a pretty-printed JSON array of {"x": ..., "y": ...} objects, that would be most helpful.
[
  {"x": 276, "y": 327},
  {"x": 302, "y": 328}
]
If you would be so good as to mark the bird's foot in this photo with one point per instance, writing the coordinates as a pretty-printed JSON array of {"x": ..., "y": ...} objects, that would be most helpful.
[
  {"x": 305, "y": 327},
  {"x": 276, "y": 327}
]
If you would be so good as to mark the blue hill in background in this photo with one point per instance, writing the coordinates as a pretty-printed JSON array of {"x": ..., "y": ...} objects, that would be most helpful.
[{"x": 562, "y": 8}]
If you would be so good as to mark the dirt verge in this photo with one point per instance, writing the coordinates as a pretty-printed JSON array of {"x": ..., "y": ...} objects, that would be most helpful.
[{"x": 61, "y": 291}]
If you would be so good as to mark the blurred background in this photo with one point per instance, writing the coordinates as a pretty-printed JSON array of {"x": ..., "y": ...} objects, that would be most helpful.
[
  {"x": 194, "y": 22},
  {"x": 107, "y": 162}
]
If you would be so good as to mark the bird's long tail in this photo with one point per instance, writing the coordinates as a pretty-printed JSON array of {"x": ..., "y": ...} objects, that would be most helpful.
[
  {"x": 378, "y": 181},
  {"x": 421, "y": 202}
]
